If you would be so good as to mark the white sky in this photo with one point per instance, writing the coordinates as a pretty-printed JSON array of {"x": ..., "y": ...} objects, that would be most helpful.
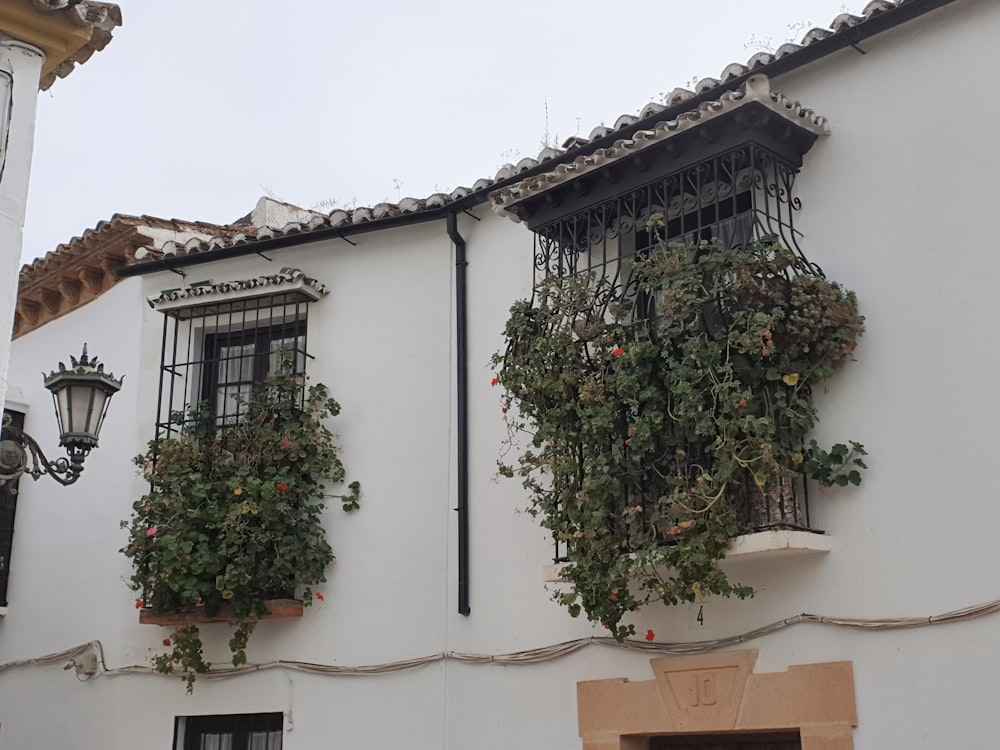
[{"x": 199, "y": 107}]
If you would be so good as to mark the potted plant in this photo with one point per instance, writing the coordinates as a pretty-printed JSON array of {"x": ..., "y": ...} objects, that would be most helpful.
[{"x": 233, "y": 516}]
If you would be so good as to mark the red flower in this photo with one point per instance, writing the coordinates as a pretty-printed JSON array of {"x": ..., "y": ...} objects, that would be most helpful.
[
  {"x": 650, "y": 636},
  {"x": 166, "y": 642},
  {"x": 743, "y": 402},
  {"x": 495, "y": 381},
  {"x": 631, "y": 432},
  {"x": 628, "y": 442},
  {"x": 139, "y": 604},
  {"x": 271, "y": 420},
  {"x": 320, "y": 596},
  {"x": 504, "y": 410},
  {"x": 282, "y": 487},
  {"x": 614, "y": 597},
  {"x": 618, "y": 352}
]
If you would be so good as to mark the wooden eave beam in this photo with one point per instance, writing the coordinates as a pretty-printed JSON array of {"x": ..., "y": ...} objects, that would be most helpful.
[{"x": 54, "y": 34}]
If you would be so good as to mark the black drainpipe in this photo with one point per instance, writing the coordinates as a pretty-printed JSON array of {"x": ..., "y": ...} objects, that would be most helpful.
[{"x": 461, "y": 412}]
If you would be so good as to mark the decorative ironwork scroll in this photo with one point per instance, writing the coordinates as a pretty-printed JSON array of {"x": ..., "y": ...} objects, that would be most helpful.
[{"x": 734, "y": 198}]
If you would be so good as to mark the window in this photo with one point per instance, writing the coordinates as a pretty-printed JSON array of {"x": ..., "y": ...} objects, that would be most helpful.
[
  {"x": 721, "y": 172},
  {"x": 232, "y": 732},
  {"x": 731, "y": 198},
  {"x": 8, "y": 506},
  {"x": 776, "y": 741},
  {"x": 219, "y": 339},
  {"x": 235, "y": 360}
]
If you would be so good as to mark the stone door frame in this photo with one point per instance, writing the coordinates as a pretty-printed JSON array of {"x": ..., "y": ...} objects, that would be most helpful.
[{"x": 716, "y": 693}]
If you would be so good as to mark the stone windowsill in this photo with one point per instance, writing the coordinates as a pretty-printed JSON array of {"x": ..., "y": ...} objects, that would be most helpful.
[
  {"x": 276, "y": 608},
  {"x": 765, "y": 545},
  {"x": 761, "y": 545}
]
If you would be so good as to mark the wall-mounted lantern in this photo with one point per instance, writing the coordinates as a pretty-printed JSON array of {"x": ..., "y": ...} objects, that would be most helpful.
[{"x": 81, "y": 394}]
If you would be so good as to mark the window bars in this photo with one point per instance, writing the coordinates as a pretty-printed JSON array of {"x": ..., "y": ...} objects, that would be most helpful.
[
  {"x": 736, "y": 197},
  {"x": 212, "y": 354},
  {"x": 733, "y": 198}
]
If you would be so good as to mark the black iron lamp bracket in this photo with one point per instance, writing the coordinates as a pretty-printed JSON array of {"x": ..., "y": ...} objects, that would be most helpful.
[{"x": 20, "y": 454}]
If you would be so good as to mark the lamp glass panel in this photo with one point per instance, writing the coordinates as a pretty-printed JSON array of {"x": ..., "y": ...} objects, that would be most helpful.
[
  {"x": 80, "y": 403},
  {"x": 62, "y": 405},
  {"x": 100, "y": 399},
  {"x": 80, "y": 409}
]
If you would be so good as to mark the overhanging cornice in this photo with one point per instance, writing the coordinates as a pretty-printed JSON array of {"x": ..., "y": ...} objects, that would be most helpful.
[
  {"x": 289, "y": 286},
  {"x": 752, "y": 113},
  {"x": 67, "y": 33}
]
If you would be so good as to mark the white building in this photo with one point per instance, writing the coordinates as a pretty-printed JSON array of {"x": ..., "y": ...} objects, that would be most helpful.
[
  {"x": 895, "y": 159},
  {"x": 40, "y": 41}
]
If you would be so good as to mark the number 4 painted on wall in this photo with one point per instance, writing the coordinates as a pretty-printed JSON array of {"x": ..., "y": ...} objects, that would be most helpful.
[{"x": 700, "y": 616}]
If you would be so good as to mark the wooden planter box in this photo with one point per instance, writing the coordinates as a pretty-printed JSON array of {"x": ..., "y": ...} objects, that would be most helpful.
[{"x": 275, "y": 608}]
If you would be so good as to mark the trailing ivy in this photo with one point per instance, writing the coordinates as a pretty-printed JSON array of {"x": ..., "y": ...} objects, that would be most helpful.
[
  {"x": 233, "y": 514},
  {"x": 654, "y": 441}
]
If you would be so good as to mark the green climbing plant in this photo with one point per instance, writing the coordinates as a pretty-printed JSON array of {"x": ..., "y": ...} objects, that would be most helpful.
[{"x": 652, "y": 440}]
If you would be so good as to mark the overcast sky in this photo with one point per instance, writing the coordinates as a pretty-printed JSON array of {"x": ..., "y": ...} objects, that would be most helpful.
[{"x": 197, "y": 108}]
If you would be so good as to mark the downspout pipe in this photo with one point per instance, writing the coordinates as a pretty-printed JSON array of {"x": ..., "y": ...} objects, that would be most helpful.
[{"x": 461, "y": 410}]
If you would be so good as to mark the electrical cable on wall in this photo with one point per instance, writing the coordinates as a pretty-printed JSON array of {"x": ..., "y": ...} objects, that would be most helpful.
[{"x": 531, "y": 656}]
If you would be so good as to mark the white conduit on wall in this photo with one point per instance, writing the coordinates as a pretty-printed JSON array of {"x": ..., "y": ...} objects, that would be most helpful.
[{"x": 532, "y": 656}]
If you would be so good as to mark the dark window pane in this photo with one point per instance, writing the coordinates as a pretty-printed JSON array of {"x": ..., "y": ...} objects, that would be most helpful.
[
  {"x": 233, "y": 732},
  {"x": 8, "y": 507}
]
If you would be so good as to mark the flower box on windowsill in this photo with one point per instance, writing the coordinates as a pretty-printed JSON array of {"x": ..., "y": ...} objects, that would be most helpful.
[
  {"x": 275, "y": 608},
  {"x": 759, "y": 545}
]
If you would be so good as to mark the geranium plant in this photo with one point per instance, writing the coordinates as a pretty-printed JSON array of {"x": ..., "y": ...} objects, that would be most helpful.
[
  {"x": 665, "y": 424},
  {"x": 233, "y": 514}
]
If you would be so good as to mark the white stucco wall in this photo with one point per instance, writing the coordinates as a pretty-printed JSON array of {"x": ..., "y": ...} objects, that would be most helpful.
[
  {"x": 20, "y": 72},
  {"x": 895, "y": 206}
]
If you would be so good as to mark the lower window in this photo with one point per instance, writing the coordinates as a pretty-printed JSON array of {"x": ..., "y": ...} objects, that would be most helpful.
[
  {"x": 768, "y": 741},
  {"x": 228, "y": 732},
  {"x": 8, "y": 507}
]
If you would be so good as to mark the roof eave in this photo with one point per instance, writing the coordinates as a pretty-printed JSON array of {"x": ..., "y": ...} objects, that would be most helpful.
[{"x": 850, "y": 34}]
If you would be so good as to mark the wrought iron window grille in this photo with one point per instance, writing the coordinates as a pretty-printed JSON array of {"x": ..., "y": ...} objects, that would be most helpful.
[
  {"x": 220, "y": 339},
  {"x": 213, "y": 354},
  {"x": 731, "y": 199}
]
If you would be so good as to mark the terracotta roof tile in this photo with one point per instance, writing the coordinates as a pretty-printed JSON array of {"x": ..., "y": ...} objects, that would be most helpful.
[
  {"x": 344, "y": 218},
  {"x": 79, "y": 271},
  {"x": 756, "y": 89}
]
